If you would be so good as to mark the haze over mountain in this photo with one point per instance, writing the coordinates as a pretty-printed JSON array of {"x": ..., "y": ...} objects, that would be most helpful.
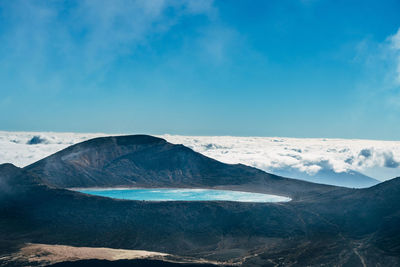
[
  {"x": 348, "y": 178},
  {"x": 320, "y": 223}
]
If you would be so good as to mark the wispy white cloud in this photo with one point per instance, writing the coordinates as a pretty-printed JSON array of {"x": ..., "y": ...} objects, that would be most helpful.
[
  {"x": 381, "y": 61},
  {"x": 57, "y": 45},
  {"x": 394, "y": 45}
]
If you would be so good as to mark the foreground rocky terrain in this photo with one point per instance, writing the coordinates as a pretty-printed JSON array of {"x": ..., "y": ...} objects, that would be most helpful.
[{"x": 322, "y": 225}]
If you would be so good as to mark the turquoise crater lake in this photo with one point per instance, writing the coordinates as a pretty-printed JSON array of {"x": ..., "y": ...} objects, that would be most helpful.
[{"x": 163, "y": 194}]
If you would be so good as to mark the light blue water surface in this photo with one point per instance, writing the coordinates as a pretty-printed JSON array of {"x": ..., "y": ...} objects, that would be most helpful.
[{"x": 163, "y": 194}]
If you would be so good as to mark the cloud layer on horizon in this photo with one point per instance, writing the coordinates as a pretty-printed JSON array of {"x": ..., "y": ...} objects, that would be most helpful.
[{"x": 305, "y": 155}]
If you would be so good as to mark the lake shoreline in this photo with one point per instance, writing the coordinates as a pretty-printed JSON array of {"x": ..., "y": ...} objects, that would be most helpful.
[{"x": 183, "y": 194}]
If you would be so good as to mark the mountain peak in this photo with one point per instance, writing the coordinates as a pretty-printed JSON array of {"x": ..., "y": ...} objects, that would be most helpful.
[{"x": 136, "y": 139}]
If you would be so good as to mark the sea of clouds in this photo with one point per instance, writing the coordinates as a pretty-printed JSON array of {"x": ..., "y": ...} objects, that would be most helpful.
[{"x": 378, "y": 159}]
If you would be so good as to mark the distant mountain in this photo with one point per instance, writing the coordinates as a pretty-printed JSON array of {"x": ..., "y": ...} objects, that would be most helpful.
[
  {"x": 322, "y": 226},
  {"x": 349, "y": 178},
  {"x": 146, "y": 161}
]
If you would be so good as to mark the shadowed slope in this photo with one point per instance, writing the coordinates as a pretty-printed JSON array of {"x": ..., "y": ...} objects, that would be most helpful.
[{"x": 359, "y": 225}]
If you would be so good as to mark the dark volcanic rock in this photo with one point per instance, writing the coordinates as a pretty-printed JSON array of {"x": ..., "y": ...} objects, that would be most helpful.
[{"x": 14, "y": 180}]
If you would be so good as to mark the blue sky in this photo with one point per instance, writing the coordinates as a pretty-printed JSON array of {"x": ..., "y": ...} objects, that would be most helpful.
[{"x": 311, "y": 68}]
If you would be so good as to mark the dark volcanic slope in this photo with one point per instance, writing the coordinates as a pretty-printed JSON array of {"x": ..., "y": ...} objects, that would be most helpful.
[
  {"x": 346, "y": 228},
  {"x": 13, "y": 180},
  {"x": 141, "y": 160}
]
